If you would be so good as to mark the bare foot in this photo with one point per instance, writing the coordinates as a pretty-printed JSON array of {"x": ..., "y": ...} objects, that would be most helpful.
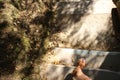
[{"x": 77, "y": 72}]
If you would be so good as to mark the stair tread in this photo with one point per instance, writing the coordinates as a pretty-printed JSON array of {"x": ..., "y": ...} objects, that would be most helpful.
[
  {"x": 94, "y": 59},
  {"x": 59, "y": 72}
]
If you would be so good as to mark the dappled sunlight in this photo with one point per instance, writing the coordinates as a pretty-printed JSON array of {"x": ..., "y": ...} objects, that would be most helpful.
[
  {"x": 60, "y": 58},
  {"x": 30, "y": 31},
  {"x": 91, "y": 35},
  {"x": 74, "y": 7},
  {"x": 99, "y": 64},
  {"x": 22, "y": 43},
  {"x": 82, "y": 25},
  {"x": 54, "y": 72},
  {"x": 59, "y": 72},
  {"x": 69, "y": 57},
  {"x": 67, "y": 16}
]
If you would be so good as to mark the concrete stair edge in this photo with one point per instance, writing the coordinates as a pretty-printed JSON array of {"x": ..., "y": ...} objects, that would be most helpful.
[
  {"x": 60, "y": 72},
  {"x": 94, "y": 59}
]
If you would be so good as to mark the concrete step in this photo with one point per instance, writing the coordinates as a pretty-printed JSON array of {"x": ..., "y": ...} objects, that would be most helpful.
[
  {"x": 95, "y": 31},
  {"x": 84, "y": 6},
  {"x": 60, "y": 72},
  {"x": 94, "y": 59}
]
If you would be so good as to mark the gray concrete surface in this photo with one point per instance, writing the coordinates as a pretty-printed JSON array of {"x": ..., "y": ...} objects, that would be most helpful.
[
  {"x": 95, "y": 31},
  {"x": 91, "y": 31},
  {"x": 94, "y": 59},
  {"x": 59, "y": 72},
  {"x": 92, "y": 6},
  {"x": 86, "y": 24}
]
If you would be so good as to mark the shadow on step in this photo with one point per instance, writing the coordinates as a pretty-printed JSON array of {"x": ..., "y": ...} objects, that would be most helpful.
[
  {"x": 55, "y": 72},
  {"x": 69, "y": 13},
  {"x": 97, "y": 75},
  {"x": 116, "y": 25},
  {"x": 111, "y": 62},
  {"x": 100, "y": 74},
  {"x": 99, "y": 59}
]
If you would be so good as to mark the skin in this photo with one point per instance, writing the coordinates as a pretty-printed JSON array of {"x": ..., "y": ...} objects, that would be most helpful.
[{"x": 77, "y": 72}]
